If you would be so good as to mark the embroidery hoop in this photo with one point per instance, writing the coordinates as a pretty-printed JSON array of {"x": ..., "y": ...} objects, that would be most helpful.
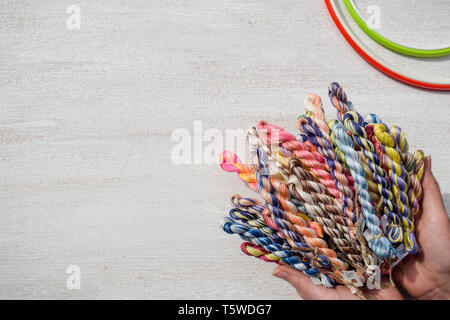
[
  {"x": 392, "y": 45},
  {"x": 336, "y": 9}
]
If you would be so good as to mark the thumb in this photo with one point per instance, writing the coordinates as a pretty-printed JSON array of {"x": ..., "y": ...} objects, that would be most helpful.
[
  {"x": 307, "y": 290},
  {"x": 432, "y": 203}
]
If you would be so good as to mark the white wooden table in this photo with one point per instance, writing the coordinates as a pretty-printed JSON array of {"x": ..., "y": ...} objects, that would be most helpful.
[{"x": 86, "y": 119}]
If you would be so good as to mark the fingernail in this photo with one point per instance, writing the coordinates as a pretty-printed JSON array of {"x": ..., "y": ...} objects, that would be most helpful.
[
  {"x": 428, "y": 162},
  {"x": 279, "y": 274}
]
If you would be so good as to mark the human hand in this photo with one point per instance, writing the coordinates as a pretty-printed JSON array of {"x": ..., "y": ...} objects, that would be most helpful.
[{"x": 425, "y": 275}]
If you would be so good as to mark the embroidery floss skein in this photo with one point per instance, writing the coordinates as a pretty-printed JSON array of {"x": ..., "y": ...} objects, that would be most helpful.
[
  {"x": 415, "y": 192},
  {"x": 230, "y": 162},
  {"x": 312, "y": 234},
  {"x": 310, "y": 211},
  {"x": 256, "y": 251},
  {"x": 398, "y": 176},
  {"x": 403, "y": 148},
  {"x": 258, "y": 238},
  {"x": 280, "y": 194},
  {"x": 313, "y": 160},
  {"x": 255, "y": 221},
  {"x": 277, "y": 164},
  {"x": 305, "y": 185},
  {"x": 375, "y": 174},
  {"x": 288, "y": 231},
  {"x": 253, "y": 205},
  {"x": 314, "y": 106},
  {"x": 278, "y": 156},
  {"x": 325, "y": 210},
  {"x": 314, "y": 110},
  {"x": 252, "y": 218},
  {"x": 379, "y": 244},
  {"x": 314, "y": 135},
  {"x": 352, "y": 121},
  {"x": 247, "y": 232},
  {"x": 323, "y": 143},
  {"x": 251, "y": 210},
  {"x": 394, "y": 230},
  {"x": 250, "y": 215},
  {"x": 408, "y": 161},
  {"x": 279, "y": 216}
]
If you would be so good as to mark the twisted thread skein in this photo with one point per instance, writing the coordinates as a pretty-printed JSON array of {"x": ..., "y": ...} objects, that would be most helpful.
[
  {"x": 248, "y": 233},
  {"x": 398, "y": 176},
  {"x": 379, "y": 244},
  {"x": 314, "y": 106},
  {"x": 253, "y": 205},
  {"x": 278, "y": 156},
  {"x": 278, "y": 215},
  {"x": 277, "y": 165},
  {"x": 278, "y": 195},
  {"x": 251, "y": 217},
  {"x": 323, "y": 145},
  {"x": 258, "y": 238},
  {"x": 248, "y": 211},
  {"x": 415, "y": 193},
  {"x": 271, "y": 134},
  {"x": 315, "y": 238},
  {"x": 231, "y": 163},
  {"x": 395, "y": 230},
  {"x": 288, "y": 203},
  {"x": 289, "y": 223},
  {"x": 403, "y": 148},
  {"x": 415, "y": 172},
  {"x": 314, "y": 110},
  {"x": 408, "y": 161},
  {"x": 256, "y": 251},
  {"x": 325, "y": 210},
  {"x": 258, "y": 233},
  {"x": 352, "y": 121},
  {"x": 300, "y": 151},
  {"x": 322, "y": 188},
  {"x": 375, "y": 174}
]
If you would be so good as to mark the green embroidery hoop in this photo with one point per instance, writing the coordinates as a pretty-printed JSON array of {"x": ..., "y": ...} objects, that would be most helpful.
[{"x": 422, "y": 53}]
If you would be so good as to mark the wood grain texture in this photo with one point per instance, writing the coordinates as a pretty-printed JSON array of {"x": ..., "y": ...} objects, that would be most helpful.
[{"x": 85, "y": 125}]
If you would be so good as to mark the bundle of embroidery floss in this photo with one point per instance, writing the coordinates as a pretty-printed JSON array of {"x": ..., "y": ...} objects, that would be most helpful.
[{"x": 337, "y": 201}]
